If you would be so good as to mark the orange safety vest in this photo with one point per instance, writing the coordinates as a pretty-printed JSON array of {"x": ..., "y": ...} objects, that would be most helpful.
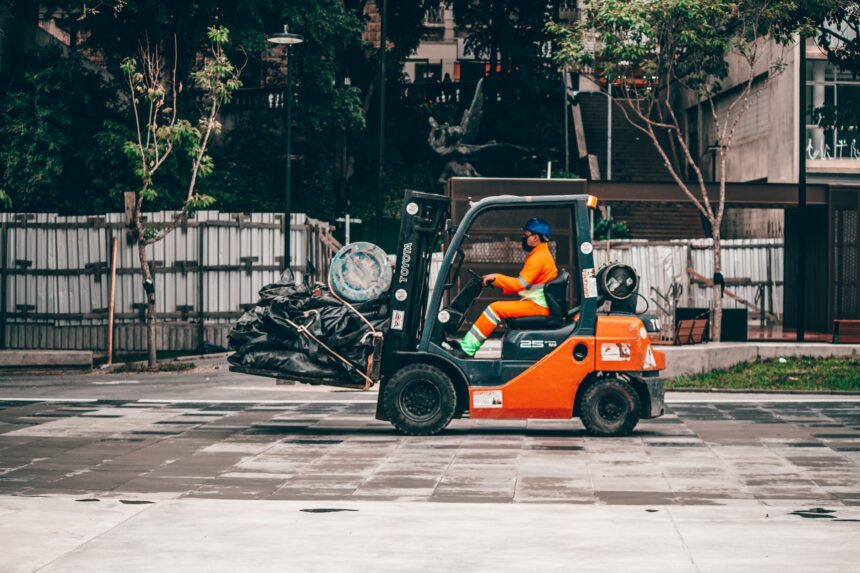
[{"x": 538, "y": 270}]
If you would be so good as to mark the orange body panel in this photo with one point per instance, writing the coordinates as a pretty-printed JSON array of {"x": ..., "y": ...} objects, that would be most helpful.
[
  {"x": 623, "y": 345},
  {"x": 548, "y": 388}
]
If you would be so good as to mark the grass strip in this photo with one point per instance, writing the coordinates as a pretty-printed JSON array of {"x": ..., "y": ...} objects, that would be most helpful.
[{"x": 813, "y": 374}]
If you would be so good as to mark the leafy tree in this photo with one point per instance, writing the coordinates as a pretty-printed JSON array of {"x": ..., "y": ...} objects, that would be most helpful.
[
  {"x": 56, "y": 118},
  {"x": 512, "y": 36},
  {"x": 653, "y": 50},
  {"x": 835, "y": 25},
  {"x": 160, "y": 131}
]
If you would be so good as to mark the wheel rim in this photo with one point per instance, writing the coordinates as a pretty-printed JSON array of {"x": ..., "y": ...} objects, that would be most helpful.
[
  {"x": 420, "y": 400},
  {"x": 612, "y": 407}
]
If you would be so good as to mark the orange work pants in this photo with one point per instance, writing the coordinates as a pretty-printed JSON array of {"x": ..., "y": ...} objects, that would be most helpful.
[{"x": 494, "y": 314}]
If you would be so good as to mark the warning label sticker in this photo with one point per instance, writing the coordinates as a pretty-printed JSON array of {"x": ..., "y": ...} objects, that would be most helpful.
[
  {"x": 397, "y": 319},
  {"x": 615, "y": 351},
  {"x": 650, "y": 361},
  {"x": 589, "y": 283},
  {"x": 487, "y": 399}
]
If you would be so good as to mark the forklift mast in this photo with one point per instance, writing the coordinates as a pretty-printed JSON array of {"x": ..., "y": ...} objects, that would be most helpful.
[{"x": 421, "y": 225}]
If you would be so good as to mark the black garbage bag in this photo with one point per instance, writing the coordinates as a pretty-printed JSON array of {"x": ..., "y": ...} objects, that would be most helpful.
[{"x": 266, "y": 338}]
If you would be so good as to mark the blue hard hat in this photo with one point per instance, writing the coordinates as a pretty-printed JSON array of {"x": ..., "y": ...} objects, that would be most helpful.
[{"x": 537, "y": 226}]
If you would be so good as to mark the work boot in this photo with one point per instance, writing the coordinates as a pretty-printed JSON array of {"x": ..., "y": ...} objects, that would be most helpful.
[
  {"x": 453, "y": 346},
  {"x": 457, "y": 351}
]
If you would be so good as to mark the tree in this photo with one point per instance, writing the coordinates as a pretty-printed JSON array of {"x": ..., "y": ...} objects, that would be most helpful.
[
  {"x": 511, "y": 35},
  {"x": 835, "y": 25},
  {"x": 652, "y": 51},
  {"x": 59, "y": 128},
  {"x": 160, "y": 132}
]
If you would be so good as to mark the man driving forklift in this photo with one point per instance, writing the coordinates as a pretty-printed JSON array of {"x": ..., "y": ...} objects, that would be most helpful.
[{"x": 539, "y": 268}]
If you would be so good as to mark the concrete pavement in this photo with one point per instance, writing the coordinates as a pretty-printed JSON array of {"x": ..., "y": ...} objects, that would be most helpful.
[
  {"x": 212, "y": 471},
  {"x": 61, "y": 534}
]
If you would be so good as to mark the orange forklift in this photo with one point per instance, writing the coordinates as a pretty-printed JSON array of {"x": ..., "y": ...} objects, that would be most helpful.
[{"x": 577, "y": 362}]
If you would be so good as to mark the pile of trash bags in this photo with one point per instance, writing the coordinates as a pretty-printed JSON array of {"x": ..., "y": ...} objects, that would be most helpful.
[{"x": 267, "y": 343}]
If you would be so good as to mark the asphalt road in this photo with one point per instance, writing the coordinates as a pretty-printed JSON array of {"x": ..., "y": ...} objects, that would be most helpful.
[{"x": 214, "y": 471}]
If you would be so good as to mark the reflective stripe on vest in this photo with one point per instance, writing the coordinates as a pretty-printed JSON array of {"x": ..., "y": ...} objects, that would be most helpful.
[{"x": 535, "y": 294}]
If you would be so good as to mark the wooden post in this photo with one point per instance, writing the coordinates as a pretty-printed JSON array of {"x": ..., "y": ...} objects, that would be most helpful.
[
  {"x": 201, "y": 316},
  {"x": 113, "y": 247}
]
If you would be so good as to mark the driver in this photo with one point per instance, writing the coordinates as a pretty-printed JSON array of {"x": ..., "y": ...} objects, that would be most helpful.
[{"x": 538, "y": 270}]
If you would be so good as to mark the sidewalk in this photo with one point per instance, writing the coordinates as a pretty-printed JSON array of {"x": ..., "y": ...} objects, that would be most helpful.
[{"x": 60, "y": 534}]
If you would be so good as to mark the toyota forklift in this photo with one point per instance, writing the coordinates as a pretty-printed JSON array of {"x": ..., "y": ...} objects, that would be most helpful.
[{"x": 576, "y": 362}]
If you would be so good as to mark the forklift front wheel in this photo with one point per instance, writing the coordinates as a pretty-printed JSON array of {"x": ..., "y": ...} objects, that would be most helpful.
[
  {"x": 610, "y": 408},
  {"x": 420, "y": 400}
]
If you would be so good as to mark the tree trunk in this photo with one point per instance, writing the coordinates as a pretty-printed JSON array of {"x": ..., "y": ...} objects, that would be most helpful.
[
  {"x": 718, "y": 289},
  {"x": 152, "y": 357}
]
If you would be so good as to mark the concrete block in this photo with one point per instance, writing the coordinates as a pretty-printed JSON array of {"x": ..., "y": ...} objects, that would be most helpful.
[
  {"x": 697, "y": 358},
  {"x": 46, "y": 359},
  {"x": 723, "y": 356},
  {"x": 681, "y": 360},
  {"x": 817, "y": 350}
]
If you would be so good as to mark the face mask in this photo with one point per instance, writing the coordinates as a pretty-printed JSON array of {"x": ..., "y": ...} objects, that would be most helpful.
[{"x": 525, "y": 245}]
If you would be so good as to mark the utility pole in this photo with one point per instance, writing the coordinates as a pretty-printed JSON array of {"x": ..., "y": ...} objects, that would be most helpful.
[
  {"x": 381, "y": 175},
  {"x": 288, "y": 40},
  {"x": 566, "y": 128},
  {"x": 801, "y": 196},
  {"x": 609, "y": 131}
]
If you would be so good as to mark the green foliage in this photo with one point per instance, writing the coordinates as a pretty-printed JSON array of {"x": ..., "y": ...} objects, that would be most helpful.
[
  {"x": 835, "y": 25},
  {"x": 511, "y": 30},
  {"x": 153, "y": 94},
  {"x": 844, "y": 116},
  {"x": 59, "y": 123},
  {"x": 610, "y": 228},
  {"x": 684, "y": 41}
]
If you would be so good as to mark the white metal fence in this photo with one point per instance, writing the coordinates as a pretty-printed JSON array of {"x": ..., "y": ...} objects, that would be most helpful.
[
  {"x": 54, "y": 286},
  {"x": 753, "y": 270}
]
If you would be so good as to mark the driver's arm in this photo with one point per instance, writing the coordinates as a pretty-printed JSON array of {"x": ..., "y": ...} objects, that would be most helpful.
[{"x": 528, "y": 274}]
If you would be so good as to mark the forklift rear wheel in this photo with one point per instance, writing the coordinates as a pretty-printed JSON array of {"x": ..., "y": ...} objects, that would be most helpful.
[
  {"x": 610, "y": 408},
  {"x": 420, "y": 400}
]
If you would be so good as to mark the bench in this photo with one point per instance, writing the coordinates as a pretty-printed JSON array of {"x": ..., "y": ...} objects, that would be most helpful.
[
  {"x": 690, "y": 331},
  {"x": 846, "y": 331}
]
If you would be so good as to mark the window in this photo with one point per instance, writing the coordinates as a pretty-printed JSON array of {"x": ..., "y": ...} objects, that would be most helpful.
[
  {"x": 428, "y": 73},
  {"x": 828, "y": 86}
]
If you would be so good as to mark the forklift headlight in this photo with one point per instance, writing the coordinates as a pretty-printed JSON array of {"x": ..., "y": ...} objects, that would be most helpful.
[{"x": 591, "y": 202}]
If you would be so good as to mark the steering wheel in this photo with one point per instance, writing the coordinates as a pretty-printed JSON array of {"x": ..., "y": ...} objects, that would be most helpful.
[{"x": 475, "y": 275}]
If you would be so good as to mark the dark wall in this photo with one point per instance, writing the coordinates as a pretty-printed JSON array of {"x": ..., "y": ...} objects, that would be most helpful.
[
  {"x": 845, "y": 253},
  {"x": 813, "y": 230}
]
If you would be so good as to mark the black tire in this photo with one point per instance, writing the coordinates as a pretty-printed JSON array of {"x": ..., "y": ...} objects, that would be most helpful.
[
  {"x": 610, "y": 407},
  {"x": 419, "y": 400}
]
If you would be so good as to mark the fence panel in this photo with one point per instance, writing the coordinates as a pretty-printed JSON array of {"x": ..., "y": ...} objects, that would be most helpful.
[
  {"x": 753, "y": 269},
  {"x": 55, "y": 281}
]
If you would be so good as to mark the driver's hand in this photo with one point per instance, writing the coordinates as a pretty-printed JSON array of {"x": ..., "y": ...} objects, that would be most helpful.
[{"x": 488, "y": 279}]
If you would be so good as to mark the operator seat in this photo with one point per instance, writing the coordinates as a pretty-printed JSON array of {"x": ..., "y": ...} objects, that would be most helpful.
[{"x": 555, "y": 292}]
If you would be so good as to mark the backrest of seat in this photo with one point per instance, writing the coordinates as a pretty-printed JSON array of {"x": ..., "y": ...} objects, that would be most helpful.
[{"x": 556, "y": 293}]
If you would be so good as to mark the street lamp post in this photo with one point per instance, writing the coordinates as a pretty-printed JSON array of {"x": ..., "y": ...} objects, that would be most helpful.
[{"x": 287, "y": 40}]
